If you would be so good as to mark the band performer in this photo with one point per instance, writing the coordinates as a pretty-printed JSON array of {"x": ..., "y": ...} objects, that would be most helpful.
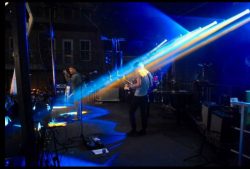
[
  {"x": 73, "y": 78},
  {"x": 143, "y": 81}
]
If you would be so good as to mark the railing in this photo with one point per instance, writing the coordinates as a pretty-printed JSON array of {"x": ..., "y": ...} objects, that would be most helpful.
[{"x": 242, "y": 106}]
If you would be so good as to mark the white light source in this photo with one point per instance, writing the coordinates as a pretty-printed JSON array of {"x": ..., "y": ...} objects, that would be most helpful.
[
  {"x": 59, "y": 107},
  {"x": 6, "y": 3},
  {"x": 7, "y": 120}
]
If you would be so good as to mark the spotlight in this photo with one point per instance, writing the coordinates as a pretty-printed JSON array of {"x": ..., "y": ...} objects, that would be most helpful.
[{"x": 6, "y": 3}]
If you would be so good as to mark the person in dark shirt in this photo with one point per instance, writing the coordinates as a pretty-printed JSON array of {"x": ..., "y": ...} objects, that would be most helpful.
[{"x": 74, "y": 79}]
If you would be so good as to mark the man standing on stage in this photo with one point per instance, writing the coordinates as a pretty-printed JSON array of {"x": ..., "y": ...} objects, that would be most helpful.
[
  {"x": 75, "y": 80},
  {"x": 143, "y": 82}
]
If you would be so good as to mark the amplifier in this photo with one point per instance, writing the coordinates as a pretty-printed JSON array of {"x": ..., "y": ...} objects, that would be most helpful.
[
  {"x": 207, "y": 109},
  {"x": 222, "y": 122},
  {"x": 60, "y": 88}
]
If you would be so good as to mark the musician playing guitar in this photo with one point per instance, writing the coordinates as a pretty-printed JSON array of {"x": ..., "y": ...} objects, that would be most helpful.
[{"x": 142, "y": 83}]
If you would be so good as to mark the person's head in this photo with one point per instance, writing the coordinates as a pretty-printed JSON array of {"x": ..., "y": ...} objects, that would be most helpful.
[
  {"x": 138, "y": 66},
  {"x": 72, "y": 70}
]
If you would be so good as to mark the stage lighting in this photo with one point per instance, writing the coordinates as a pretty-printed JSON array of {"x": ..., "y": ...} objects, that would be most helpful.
[
  {"x": 161, "y": 55},
  {"x": 158, "y": 46},
  {"x": 72, "y": 113},
  {"x": 7, "y": 120},
  {"x": 57, "y": 124},
  {"x": 59, "y": 107}
]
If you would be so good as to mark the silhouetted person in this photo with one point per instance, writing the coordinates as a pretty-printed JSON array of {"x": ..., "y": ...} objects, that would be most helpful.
[
  {"x": 74, "y": 79},
  {"x": 143, "y": 81}
]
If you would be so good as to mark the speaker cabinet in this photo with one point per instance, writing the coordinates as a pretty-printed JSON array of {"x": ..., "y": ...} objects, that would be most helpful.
[
  {"x": 223, "y": 123},
  {"x": 206, "y": 110}
]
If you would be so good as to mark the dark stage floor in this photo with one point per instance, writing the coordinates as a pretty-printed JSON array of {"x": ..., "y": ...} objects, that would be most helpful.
[{"x": 166, "y": 143}]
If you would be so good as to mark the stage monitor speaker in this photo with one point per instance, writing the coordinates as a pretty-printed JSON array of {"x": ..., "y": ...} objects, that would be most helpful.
[
  {"x": 206, "y": 111},
  {"x": 222, "y": 123}
]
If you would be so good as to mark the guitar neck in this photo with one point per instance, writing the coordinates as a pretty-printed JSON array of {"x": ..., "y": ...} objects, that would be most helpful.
[{"x": 128, "y": 81}]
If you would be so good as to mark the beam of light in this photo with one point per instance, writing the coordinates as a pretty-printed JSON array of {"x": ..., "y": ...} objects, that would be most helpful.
[
  {"x": 59, "y": 107},
  {"x": 151, "y": 55},
  {"x": 203, "y": 43},
  {"x": 73, "y": 113},
  {"x": 180, "y": 41},
  {"x": 115, "y": 82},
  {"x": 108, "y": 79},
  {"x": 105, "y": 80},
  {"x": 173, "y": 48},
  {"x": 217, "y": 27},
  {"x": 199, "y": 37},
  {"x": 158, "y": 46}
]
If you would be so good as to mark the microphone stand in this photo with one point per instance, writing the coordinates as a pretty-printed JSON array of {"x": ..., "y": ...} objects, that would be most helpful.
[{"x": 81, "y": 130}]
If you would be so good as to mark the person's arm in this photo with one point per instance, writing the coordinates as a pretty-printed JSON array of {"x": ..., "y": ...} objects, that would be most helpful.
[
  {"x": 137, "y": 84},
  {"x": 66, "y": 76},
  {"x": 76, "y": 80}
]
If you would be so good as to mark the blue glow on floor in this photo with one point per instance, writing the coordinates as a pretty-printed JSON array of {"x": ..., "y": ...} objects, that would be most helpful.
[
  {"x": 73, "y": 161},
  {"x": 70, "y": 161}
]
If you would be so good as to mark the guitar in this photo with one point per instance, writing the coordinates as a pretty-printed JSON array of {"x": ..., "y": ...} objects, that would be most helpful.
[{"x": 127, "y": 83}]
